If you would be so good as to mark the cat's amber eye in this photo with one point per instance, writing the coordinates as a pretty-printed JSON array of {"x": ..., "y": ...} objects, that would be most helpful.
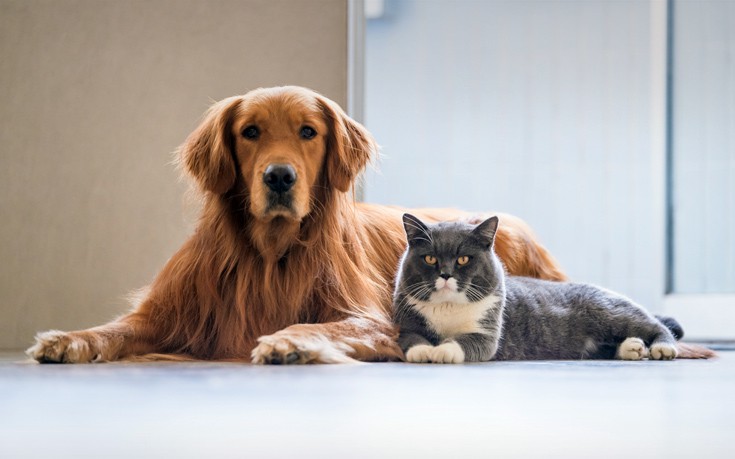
[
  {"x": 463, "y": 260},
  {"x": 430, "y": 260}
]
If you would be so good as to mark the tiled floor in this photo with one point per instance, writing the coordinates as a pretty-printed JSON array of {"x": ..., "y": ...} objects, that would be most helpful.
[{"x": 522, "y": 409}]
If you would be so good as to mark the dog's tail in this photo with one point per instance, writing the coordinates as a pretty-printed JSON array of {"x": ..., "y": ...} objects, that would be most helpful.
[
  {"x": 154, "y": 357},
  {"x": 693, "y": 351},
  {"x": 159, "y": 358},
  {"x": 523, "y": 254}
]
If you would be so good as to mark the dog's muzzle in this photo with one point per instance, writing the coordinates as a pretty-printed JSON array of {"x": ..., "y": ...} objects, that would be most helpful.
[{"x": 280, "y": 178}]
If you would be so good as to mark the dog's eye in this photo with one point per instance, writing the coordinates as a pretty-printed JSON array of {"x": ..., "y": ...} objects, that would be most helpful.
[
  {"x": 251, "y": 132},
  {"x": 307, "y": 132}
]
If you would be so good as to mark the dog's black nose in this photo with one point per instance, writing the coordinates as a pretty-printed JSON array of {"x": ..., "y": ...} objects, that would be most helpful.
[{"x": 279, "y": 177}]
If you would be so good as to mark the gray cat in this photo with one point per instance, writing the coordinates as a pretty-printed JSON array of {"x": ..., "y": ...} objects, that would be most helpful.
[{"x": 454, "y": 303}]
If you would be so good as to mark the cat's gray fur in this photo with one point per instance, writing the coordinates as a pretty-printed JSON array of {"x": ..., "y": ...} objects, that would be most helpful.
[{"x": 493, "y": 316}]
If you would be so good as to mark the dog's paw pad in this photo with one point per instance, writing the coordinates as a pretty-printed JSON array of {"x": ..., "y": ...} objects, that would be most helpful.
[
  {"x": 632, "y": 349},
  {"x": 663, "y": 351},
  {"x": 292, "y": 357},
  {"x": 275, "y": 352},
  {"x": 288, "y": 347}
]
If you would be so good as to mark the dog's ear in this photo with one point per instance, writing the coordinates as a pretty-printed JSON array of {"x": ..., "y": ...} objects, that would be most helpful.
[
  {"x": 349, "y": 146},
  {"x": 207, "y": 153}
]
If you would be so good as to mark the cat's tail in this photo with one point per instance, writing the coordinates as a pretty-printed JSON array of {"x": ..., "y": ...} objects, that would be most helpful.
[{"x": 673, "y": 325}]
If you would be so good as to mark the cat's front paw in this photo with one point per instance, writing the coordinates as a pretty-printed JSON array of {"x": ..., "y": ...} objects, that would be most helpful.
[
  {"x": 421, "y": 353},
  {"x": 663, "y": 351},
  {"x": 632, "y": 349},
  {"x": 449, "y": 352}
]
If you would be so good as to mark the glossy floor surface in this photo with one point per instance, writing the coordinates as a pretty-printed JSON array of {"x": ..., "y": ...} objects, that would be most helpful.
[{"x": 501, "y": 409}]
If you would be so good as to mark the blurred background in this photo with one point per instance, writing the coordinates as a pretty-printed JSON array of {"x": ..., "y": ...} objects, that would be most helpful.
[{"x": 608, "y": 125}]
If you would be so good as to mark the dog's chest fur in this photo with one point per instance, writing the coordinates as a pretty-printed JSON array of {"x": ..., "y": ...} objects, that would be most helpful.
[{"x": 451, "y": 319}]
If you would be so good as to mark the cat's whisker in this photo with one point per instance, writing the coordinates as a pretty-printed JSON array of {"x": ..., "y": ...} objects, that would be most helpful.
[
  {"x": 417, "y": 289},
  {"x": 480, "y": 290},
  {"x": 477, "y": 294},
  {"x": 413, "y": 299},
  {"x": 471, "y": 294}
]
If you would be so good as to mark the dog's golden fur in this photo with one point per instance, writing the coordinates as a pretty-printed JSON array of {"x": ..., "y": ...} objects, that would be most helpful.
[{"x": 305, "y": 282}]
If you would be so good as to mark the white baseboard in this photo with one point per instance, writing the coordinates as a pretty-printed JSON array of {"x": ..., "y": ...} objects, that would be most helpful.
[{"x": 703, "y": 316}]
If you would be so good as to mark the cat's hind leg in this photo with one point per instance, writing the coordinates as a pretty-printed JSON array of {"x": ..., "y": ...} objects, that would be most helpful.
[
  {"x": 663, "y": 350},
  {"x": 632, "y": 321},
  {"x": 632, "y": 349},
  {"x": 662, "y": 342}
]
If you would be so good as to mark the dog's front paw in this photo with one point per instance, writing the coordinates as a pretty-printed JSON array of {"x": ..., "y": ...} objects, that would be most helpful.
[
  {"x": 632, "y": 349},
  {"x": 296, "y": 345},
  {"x": 449, "y": 352},
  {"x": 421, "y": 353},
  {"x": 55, "y": 346},
  {"x": 663, "y": 351}
]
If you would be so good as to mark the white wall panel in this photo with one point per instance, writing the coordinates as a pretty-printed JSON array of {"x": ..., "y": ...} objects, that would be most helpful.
[
  {"x": 542, "y": 109},
  {"x": 704, "y": 147}
]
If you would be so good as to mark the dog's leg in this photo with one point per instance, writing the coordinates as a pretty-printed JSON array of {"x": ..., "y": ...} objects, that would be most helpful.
[
  {"x": 344, "y": 341},
  {"x": 108, "y": 342}
]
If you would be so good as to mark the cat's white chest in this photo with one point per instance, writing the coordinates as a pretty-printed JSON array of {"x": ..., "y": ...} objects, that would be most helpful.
[{"x": 450, "y": 319}]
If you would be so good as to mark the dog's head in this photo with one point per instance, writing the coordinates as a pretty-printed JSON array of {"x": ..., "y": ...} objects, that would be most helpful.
[{"x": 282, "y": 142}]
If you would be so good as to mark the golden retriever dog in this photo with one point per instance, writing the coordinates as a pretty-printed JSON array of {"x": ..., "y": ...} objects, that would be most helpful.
[{"x": 284, "y": 266}]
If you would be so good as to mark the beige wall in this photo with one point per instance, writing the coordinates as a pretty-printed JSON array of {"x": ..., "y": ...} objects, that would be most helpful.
[{"x": 94, "y": 97}]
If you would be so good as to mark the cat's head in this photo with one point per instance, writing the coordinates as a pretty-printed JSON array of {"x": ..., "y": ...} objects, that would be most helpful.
[{"x": 450, "y": 262}]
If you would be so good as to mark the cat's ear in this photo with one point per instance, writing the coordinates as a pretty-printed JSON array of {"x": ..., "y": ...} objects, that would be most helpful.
[
  {"x": 486, "y": 230},
  {"x": 415, "y": 229}
]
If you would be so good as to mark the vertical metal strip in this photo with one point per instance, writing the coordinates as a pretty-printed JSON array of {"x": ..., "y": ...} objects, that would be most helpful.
[
  {"x": 670, "y": 207},
  {"x": 356, "y": 71},
  {"x": 356, "y": 59}
]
